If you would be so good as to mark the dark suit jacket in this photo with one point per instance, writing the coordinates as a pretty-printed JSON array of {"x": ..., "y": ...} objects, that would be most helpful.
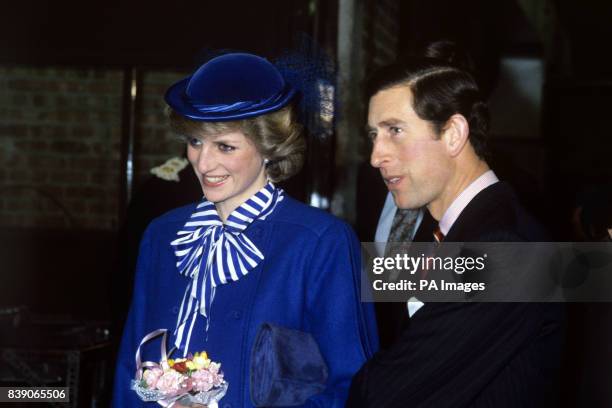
[{"x": 471, "y": 354}]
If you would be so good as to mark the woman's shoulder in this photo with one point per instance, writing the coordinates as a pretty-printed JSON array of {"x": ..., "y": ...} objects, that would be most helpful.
[{"x": 294, "y": 214}]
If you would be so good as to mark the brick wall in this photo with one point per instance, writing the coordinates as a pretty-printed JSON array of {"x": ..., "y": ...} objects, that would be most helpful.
[
  {"x": 60, "y": 132},
  {"x": 154, "y": 143}
]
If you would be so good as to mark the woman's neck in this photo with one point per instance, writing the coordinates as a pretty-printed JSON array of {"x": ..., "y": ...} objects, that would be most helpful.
[{"x": 226, "y": 207}]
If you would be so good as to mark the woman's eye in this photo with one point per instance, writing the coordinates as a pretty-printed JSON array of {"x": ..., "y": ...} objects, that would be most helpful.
[
  {"x": 194, "y": 142},
  {"x": 371, "y": 135},
  {"x": 396, "y": 130},
  {"x": 226, "y": 148}
]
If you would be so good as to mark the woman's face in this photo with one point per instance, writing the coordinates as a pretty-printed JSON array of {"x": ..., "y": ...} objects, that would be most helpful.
[{"x": 229, "y": 168}]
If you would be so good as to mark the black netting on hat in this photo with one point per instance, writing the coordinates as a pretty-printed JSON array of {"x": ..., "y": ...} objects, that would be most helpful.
[{"x": 313, "y": 74}]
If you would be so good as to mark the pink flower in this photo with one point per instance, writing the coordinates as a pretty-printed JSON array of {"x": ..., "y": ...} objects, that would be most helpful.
[
  {"x": 203, "y": 380},
  {"x": 170, "y": 382},
  {"x": 187, "y": 385},
  {"x": 151, "y": 376},
  {"x": 218, "y": 379},
  {"x": 217, "y": 376},
  {"x": 214, "y": 368}
]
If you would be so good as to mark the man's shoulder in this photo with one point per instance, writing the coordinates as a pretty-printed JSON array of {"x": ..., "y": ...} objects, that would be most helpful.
[{"x": 497, "y": 215}]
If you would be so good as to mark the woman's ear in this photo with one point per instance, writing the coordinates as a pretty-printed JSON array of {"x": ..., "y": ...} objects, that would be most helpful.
[{"x": 455, "y": 134}]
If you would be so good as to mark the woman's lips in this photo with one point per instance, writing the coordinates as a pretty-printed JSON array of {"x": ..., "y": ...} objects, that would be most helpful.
[{"x": 213, "y": 181}]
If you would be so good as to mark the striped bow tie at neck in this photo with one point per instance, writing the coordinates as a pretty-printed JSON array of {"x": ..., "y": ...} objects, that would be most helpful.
[{"x": 211, "y": 253}]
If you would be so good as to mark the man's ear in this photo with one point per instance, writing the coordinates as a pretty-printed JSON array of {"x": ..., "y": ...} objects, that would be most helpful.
[{"x": 455, "y": 134}]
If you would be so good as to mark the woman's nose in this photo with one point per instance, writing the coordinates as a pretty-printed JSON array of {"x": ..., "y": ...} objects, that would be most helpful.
[{"x": 205, "y": 160}]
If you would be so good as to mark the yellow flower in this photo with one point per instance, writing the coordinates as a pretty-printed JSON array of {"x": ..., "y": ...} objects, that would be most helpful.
[
  {"x": 200, "y": 361},
  {"x": 170, "y": 362},
  {"x": 190, "y": 365}
]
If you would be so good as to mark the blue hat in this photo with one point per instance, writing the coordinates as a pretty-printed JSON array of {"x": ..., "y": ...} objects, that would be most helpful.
[{"x": 230, "y": 87}]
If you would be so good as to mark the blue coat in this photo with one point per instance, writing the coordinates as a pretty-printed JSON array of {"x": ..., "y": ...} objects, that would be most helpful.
[{"x": 309, "y": 280}]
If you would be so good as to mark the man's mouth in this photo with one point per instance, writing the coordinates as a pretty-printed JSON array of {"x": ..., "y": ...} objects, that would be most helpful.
[{"x": 392, "y": 180}]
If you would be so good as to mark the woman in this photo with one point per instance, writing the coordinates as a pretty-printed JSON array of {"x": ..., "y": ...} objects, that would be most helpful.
[{"x": 213, "y": 272}]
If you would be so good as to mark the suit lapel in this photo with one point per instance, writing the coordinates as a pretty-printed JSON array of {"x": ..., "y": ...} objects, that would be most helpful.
[
  {"x": 425, "y": 231},
  {"x": 476, "y": 215}
]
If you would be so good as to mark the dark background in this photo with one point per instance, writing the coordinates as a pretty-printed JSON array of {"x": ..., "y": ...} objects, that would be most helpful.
[{"x": 65, "y": 287}]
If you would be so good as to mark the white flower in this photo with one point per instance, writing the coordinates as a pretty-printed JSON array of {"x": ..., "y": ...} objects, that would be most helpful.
[
  {"x": 214, "y": 367},
  {"x": 170, "y": 169}
]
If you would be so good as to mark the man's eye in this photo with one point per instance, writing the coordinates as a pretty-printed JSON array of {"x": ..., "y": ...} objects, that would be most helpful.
[
  {"x": 396, "y": 130},
  {"x": 226, "y": 148},
  {"x": 372, "y": 135},
  {"x": 194, "y": 142}
]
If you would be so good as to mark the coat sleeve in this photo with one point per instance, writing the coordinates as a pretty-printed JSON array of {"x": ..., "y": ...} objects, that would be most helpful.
[
  {"x": 344, "y": 327},
  {"x": 452, "y": 352},
  {"x": 133, "y": 332}
]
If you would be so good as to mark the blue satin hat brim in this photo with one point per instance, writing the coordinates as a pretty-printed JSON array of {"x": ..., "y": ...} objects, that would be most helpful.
[{"x": 230, "y": 87}]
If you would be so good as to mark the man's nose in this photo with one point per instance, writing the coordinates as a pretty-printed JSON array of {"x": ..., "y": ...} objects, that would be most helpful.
[{"x": 379, "y": 154}]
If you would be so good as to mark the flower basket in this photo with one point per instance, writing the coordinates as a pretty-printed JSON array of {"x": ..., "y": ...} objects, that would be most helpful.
[{"x": 193, "y": 379}]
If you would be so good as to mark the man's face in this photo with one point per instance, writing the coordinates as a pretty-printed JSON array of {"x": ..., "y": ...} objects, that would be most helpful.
[{"x": 412, "y": 160}]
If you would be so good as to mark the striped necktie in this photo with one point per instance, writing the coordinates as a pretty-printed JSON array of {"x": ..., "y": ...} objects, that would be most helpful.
[
  {"x": 438, "y": 235},
  {"x": 212, "y": 253}
]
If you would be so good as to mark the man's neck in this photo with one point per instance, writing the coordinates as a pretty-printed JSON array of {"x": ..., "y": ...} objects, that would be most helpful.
[{"x": 464, "y": 176}]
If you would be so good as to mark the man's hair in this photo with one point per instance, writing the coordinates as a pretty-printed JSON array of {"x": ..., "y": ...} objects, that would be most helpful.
[
  {"x": 277, "y": 136},
  {"x": 441, "y": 86}
]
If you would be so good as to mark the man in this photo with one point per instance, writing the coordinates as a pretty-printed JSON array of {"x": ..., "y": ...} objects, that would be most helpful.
[{"x": 428, "y": 125}]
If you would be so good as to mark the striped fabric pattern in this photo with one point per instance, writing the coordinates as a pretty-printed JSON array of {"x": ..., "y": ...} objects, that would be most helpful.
[{"x": 212, "y": 253}]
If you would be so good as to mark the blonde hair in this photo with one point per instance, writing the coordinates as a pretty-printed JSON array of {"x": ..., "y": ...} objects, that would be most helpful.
[{"x": 277, "y": 136}]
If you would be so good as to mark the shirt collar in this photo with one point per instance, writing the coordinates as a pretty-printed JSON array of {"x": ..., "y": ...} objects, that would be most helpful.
[{"x": 463, "y": 199}]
